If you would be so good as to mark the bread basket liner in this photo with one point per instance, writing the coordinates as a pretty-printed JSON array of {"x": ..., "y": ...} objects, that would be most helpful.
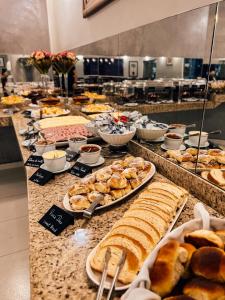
[{"x": 202, "y": 221}]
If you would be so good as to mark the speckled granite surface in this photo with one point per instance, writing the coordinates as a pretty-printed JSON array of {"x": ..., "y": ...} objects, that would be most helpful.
[{"x": 57, "y": 264}]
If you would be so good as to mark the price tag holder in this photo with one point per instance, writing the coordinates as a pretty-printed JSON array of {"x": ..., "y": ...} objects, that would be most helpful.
[
  {"x": 71, "y": 155},
  {"x": 34, "y": 161},
  {"x": 41, "y": 177},
  {"x": 56, "y": 220},
  {"x": 80, "y": 170}
]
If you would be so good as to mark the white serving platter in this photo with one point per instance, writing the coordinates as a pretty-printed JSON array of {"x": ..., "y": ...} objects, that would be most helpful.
[
  {"x": 96, "y": 276},
  {"x": 66, "y": 202},
  {"x": 35, "y": 114}
]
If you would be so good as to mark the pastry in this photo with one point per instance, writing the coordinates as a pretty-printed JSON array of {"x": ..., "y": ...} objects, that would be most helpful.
[
  {"x": 192, "y": 151},
  {"x": 88, "y": 179},
  {"x": 117, "y": 168},
  {"x": 217, "y": 176},
  {"x": 130, "y": 173},
  {"x": 201, "y": 238},
  {"x": 187, "y": 157},
  {"x": 116, "y": 194},
  {"x": 204, "y": 158},
  {"x": 107, "y": 199},
  {"x": 104, "y": 174},
  {"x": 209, "y": 262},
  {"x": 221, "y": 234},
  {"x": 188, "y": 165},
  {"x": 102, "y": 187},
  {"x": 135, "y": 183},
  {"x": 117, "y": 181},
  {"x": 78, "y": 189},
  {"x": 138, "y": 163},
  {"x": 93, "y": 196},
  {"x": 190, "y": 249},
  {"x": 221, "y": 159},
  {"x": 200, "y": 288},
  {"x": 214, "y": 152},
  {"x": 168, "y": 268},
  {"x": 127, "y": 189},
  {"x": 79, "y": 202}
]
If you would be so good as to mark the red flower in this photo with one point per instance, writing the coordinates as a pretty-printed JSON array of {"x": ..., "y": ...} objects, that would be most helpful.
[
  {"x": 124, "y": 119},
  {"x": 116, "y": 120}
]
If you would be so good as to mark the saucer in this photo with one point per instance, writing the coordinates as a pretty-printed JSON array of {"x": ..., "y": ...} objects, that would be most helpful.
[
  {"x": 164, "y": 147},
  {"x": 187, "y": 142},
  {"x": 66, "y": 168},
  {"x": 98, "y": 163}
]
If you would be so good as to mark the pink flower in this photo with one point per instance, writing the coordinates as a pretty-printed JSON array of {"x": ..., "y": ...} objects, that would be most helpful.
[
  {"x": 71, "y": 55},
  {"x": 39, "y": 55}
]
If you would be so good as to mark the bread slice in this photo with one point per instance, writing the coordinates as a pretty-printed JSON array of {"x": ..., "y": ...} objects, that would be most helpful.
[
  {"x": 177, "y": 191},
  {"x": 154, "y": 203},
  {"x": 149, "y": 217},
  {"x": 141, "y": 225},
  {"x": 217, "y": 176},
  {"x": 124, "y": 243},
  {"x": 168, "y": 194},
  {"x": 136, "y": 235},
  {"x": 155, "y": 210},
  {"x": 205, "y": 174},
  {"x": 129, "y": 269},
  {"x": 152, "y": 195}
]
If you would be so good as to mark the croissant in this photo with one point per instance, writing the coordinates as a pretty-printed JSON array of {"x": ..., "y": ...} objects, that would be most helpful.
[{"x": 117, "y": 181}]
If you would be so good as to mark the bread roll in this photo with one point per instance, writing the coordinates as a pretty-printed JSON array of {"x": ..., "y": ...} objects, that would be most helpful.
[
  {"x": 103, "y": 174},
  {"x": 130, "y": 173},
  {"x": 102, "y": 187},
  {"x": 78, "y": 189},
  {"x": 168, "y": 268},
  {"x": 117, "y": 182},
  {"x": 221, "y": 234},
  {"x": 93, "y": 196},
  {"x": 200, "y": 288},
  {"x": 135, "y": 183},
  {"x": 190, "y": 249},
  {"x": 79, "y": 202},
  {"x": 201, "y": 238},
  {"x": 209, "y": 262},
  {"x": 116, "y": 194}
]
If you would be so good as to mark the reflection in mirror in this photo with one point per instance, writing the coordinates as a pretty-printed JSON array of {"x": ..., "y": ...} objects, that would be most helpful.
[{"x": 211, "y": 162}]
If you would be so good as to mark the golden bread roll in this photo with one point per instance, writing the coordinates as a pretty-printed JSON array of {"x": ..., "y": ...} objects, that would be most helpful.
[
  {"x": 129, "y": 269},
  {"x": 221, "y": 159},
  {"x": 168, "y": 268},
  {"x": 192, "y": 151},
  {"x": 93, "y": 196},
  {"x": 190, "y": 249},
  {"x": 203, "y": 289},
  {"x": 116, "y": 194},
  {"x": 107, "y": 199},
  {"x": 135, "y": 183},
  {"x": 103, "y": 175},
  {"x": 117, "y": 182},
  {"x": 117, "y": 168},
  {"x": 130, "y": 173},
  {"x": 214, "y": 152},
  {"x": 79, "y": 202},
  {"x": 102, "y": 187},
  {"x": 78, "y": 189},
  {"x": 141, "y": 225},
  {"x": 89, "y": 179},
  {"x": 138, "y": 163},
  {"x": 209, "y": 262},
  {"x": 221, "y": 234},
  {"x": 201, "y": 238}
]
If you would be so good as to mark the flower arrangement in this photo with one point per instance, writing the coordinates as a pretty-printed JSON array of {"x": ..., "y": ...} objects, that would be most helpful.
[
  {"x": 41, "y": 60},
  {"x": 63, "y": 61}
]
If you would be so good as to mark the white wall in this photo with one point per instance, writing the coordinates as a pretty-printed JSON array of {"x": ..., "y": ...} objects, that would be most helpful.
[
  {"x": 170, "y": 71},
  {"x": 69, "y": 30}
]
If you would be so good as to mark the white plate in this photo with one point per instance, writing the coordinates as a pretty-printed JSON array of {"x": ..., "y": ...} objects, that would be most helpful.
[
  {"x": 182, "y": 147},
  {"x": 67, "y": 167},
  {"x": 96, "y": 112},
  {"x": 130, "y": 104},
  {"x": 96, "y": 276},
  {"x": 27, "y": 143},
  {"x": 187, "y": 142},
  {"x": 98, "y": 163},
  {"x": 36, "y": 114},
  {"x": 66, "y": 202}
]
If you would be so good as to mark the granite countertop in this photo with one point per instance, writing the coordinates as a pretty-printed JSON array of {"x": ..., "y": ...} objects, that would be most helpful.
[{"x": 57, "y": 263}]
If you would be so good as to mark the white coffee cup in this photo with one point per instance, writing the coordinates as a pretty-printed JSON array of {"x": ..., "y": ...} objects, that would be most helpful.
[
  {"x": 177, "y": 128},
  {"x": 90, "y": 157},
  {"x": 76, "y": 144},
  {"x": 41, "y": 149},
  {"x": 55, "y": 160},
  {"x": 194, "y": 138},
  {"x": 173, "y": 141}
]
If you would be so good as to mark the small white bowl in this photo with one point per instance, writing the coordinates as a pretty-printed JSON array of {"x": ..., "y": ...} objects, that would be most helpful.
[
  {"x": 117, "y": 139},
  {"x": 151, "y": 134},
  {"x": 195, "y": 138},
  {"x": 75, "y": 145},
  {"x": 41, "y": 149},
  {"x": 173, "y": 143},
  {"x": 55, "y": 160},
  {"x": 90, "y": 157}
]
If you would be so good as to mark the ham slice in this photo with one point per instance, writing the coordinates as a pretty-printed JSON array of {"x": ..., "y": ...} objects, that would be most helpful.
[{"x": 62, "y": 133}]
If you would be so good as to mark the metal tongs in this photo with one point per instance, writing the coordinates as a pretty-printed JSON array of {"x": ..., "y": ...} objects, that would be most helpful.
[
  {"x": 90, "y": 210},
  {"x": 104, "y": 274}
]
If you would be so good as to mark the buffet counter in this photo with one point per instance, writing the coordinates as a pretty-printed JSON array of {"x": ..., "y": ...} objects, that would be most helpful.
[{"x": 57, "y": 263}]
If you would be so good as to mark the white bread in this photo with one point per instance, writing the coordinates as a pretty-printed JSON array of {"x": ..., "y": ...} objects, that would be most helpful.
[
  {"x": 130, "y": 267},
  {"x": 141, "y": 225},
  {"x": 149, "y": 217},
  {"x": 136, "y": 235},
  {"x": 217, "y": 176},
  {"x": 154, "y": 203},
  {"x": 155, "y": 210},
  {"x": 161, "y": 198}
]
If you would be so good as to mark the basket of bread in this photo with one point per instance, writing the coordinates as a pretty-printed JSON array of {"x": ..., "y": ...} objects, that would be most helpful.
[
  {"x": 149, "y": 218},
  {"x": 188, "y": 264},
  {"x": 111, "y": 184}
]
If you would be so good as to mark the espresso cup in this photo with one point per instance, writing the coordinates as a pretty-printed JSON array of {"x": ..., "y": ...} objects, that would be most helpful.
[
  {"x": 90, "y": 153},
  {"x": 75, "y": 144},
  {"x": 173, "y": 141},
  {"x": 178, "y": 128},
  {"x": 194, "y": 138}
]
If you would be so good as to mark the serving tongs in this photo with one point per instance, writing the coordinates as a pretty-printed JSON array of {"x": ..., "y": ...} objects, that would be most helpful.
[
  {"x": 117, "y": 273},
  {"x": 104, "y": 274},
  {"x": 90, "y": 210}
]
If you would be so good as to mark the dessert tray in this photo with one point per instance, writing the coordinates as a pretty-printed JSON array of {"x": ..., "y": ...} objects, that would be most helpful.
[
  {"x": 129, "y": 230},
  {"x": 112, "y": 195}
]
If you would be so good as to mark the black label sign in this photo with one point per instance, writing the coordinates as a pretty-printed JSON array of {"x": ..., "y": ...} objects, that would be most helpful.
[
  {"x": 80, "y": 170},
  {"x": 70, "y": 155},
  {"x": 34, "y": 161},
  {"x": 41, "y": 176},
  {"x": 56, "y": 220}
]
